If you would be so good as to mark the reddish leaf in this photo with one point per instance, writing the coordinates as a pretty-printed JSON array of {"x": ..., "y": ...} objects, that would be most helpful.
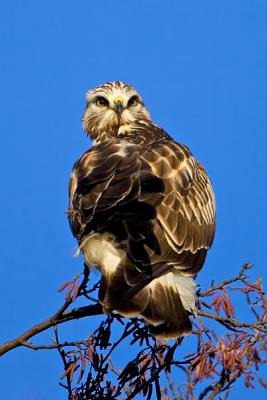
[
  {"x": 82, "y": 358},
  {"x": 75, "y": 292},
  {"x": 263, "y": 382},
  {"x": 68, "y": 293},
  {"x": 63, "y": 286}
]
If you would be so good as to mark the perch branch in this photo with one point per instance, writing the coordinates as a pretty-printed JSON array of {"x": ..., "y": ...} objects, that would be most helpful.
[{"x": 58, "y": 318}]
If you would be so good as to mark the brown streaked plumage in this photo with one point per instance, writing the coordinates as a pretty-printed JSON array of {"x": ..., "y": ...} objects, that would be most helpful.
[{"x": 143, "y": 211}]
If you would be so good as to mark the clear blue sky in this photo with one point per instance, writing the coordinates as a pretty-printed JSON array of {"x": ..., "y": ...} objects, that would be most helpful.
[{"x": 201, "y": 68}]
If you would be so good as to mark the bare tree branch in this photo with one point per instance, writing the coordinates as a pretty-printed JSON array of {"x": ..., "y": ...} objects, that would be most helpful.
[
  {"x": 58, "y": 318},
  {"x": 238, "y": 352},
  {"x": 260, "y": 326}
]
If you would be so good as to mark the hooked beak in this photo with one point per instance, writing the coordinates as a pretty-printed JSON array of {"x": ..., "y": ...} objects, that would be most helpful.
[{"x": 118, "y": 105}]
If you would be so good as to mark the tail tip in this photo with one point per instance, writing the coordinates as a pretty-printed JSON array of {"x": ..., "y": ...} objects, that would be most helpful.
[{"x": 171, "y": 331}]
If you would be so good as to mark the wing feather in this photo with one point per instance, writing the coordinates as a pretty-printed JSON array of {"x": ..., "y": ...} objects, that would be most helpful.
[{"x": 156, "y": 191}]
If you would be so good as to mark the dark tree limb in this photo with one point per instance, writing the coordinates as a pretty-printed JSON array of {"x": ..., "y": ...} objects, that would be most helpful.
[{"x": 58, "y": 318}]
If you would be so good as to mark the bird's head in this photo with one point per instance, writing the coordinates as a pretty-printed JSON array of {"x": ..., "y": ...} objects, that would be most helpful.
[{"x": 110, "y": 106}]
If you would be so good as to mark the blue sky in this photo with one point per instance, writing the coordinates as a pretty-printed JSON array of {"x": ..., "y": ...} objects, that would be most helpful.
[{"x": 201, "y": 68}]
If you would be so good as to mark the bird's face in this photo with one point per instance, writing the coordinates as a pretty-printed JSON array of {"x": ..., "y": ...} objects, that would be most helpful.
[{"x": 110, "y": 106}]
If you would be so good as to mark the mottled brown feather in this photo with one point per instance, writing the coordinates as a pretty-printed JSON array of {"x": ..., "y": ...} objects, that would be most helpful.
[{"x": 157, "y": 200}]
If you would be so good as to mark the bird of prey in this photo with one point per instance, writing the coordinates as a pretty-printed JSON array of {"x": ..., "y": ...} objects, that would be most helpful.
[{"x": 143, "y": 211}]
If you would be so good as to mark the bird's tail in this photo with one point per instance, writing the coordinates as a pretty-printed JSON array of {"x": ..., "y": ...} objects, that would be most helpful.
[
  {"x": 170, "y": 302},
  {"x": 164, "y": 304},
  {"x": 116, "y": 295}
]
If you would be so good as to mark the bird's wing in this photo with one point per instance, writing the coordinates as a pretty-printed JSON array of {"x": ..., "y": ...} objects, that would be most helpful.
[
  {"x": 187, "y": 211},
  {"x": 155, "y": 194},
  {"x": 104, "y": 181}
]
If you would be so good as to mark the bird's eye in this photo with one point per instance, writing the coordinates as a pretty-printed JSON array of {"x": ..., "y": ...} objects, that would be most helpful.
[
  {"x": 133, "y": 101},
  {"x": 101, "y": 101}
]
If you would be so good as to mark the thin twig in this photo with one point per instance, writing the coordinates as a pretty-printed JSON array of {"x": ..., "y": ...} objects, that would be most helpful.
[
  {"x": 171, "y": 385},
  {"x": 56, "y": 346},
  {"x": 66, "y": 364},
  {"x": 240, "y": 277},
  {"x": 260, "y": 326}
]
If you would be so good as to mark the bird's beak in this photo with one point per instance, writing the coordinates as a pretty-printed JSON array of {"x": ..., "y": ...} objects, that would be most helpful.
[{"x": 118, "y": 102}]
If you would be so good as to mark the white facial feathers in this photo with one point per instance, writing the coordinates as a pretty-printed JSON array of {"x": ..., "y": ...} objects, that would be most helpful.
[{"x": 111, "y": 106}]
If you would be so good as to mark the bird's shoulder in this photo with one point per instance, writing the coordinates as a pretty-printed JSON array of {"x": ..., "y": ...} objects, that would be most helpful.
[
  {"x": 141, "y": 139},
  {"x": 137, "y": 147}
]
